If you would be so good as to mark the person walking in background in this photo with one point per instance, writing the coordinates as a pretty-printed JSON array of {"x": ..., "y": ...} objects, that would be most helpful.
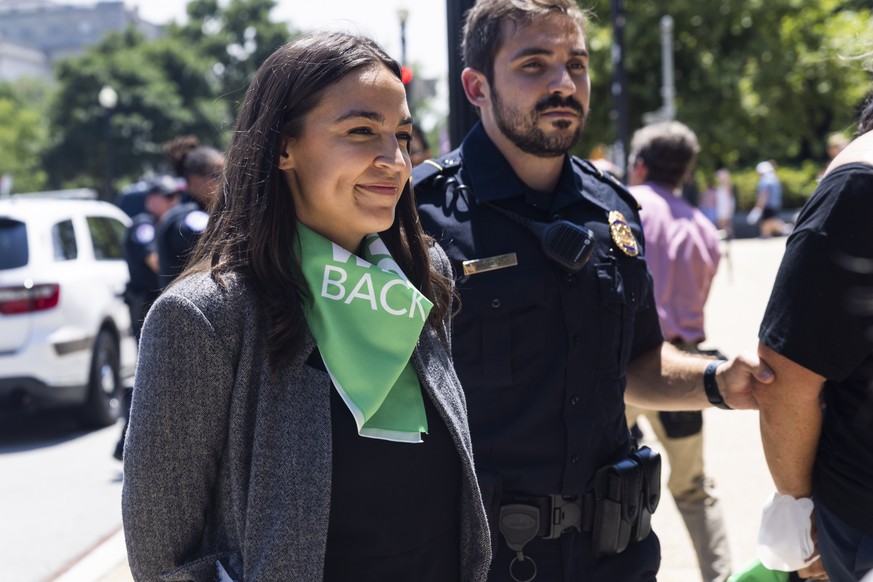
[
  {"x": 816, "y": 417},
  {"x": 295, "y": 411},
  {"x": 836, "y": 143},
  {"x": 201, "y": 166},
  {"x": 140, "y": 252},
  {"x": 725, "y": 202},
  {"x": 550, "y": 338},
  {"x": 682, "y": 252},
  {"x": 707, "y": 203},
  {"x": 768, "y": 202},
  {"x": 179, "y": 230}
]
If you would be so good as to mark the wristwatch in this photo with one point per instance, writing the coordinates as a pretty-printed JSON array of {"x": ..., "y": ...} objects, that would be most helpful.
[{"x": 711, "y": 386}]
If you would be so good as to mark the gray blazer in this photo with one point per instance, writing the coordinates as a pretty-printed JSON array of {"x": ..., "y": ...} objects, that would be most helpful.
[{"x": 228, "y": 460}]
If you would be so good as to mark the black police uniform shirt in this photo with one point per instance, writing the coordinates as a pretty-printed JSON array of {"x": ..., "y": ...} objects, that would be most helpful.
[
  {"x": 139, "y": 243},
  {"x": 820, "y": 316},
  {"x": 541, "y": 353},
  {"x": 177, "y": 234}
]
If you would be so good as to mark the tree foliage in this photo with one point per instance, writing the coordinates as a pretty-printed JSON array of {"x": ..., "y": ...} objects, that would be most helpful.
[
  {"x": 187, "y": 82},
  {"x": 236, "y": 39},
  {"x": 22, "y": 135},
  {"x": 761, "y": 79}
]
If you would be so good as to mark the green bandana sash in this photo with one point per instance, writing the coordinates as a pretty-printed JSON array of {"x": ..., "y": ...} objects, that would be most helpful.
[{"x": 366, "y": 318}]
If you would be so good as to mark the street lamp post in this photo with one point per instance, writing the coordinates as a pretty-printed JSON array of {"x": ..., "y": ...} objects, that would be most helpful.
[
  {"x": 403, "y": 15},
  {"x": 462, "y": 116},
  {"x": 619, "y": 87},
  {"x": 108, "y": 99},
  {"x": 668, "y": 91}
]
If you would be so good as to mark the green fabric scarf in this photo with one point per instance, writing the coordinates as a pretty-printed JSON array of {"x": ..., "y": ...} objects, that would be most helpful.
[{"x": 366, "y": 318}]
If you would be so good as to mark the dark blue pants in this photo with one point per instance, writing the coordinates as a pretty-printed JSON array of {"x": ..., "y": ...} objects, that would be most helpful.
[
  {"x": 847, "y": 554},
  {"x": 569, "y": 559}
]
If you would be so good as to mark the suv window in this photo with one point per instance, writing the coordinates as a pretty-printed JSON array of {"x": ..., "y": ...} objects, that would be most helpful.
[
  {"x": 64, "y": 241},
  {"x": 13, "y": 244},
  {"x": 108, "y": 237}
]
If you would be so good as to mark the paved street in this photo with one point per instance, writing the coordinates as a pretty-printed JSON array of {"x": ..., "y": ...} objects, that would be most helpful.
[{"x": 733, "y": 452}]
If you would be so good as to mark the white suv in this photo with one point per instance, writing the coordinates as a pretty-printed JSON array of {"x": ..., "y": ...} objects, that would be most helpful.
[{"x": 65, "y": 333}]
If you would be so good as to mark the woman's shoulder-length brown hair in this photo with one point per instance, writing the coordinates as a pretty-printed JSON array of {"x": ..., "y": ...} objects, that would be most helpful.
[{"x": 252, "y": 226}]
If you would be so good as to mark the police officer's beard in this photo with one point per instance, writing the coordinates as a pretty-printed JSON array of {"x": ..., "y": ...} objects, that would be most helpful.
[{"x": 523, "y": 131}]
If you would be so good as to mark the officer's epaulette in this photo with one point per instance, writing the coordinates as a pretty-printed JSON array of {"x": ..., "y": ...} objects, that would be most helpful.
[
  {"x": 592, "y": 170},
  {"x": 429, "y": 169}
]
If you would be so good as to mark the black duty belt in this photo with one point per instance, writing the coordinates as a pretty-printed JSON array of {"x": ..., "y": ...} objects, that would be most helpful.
[
  {"x": 545, "y": 516},
  {"x": 618, "y": 511}
]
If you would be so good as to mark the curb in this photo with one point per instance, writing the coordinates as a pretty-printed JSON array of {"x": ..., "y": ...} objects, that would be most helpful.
[{"x": 97, "y": 561}]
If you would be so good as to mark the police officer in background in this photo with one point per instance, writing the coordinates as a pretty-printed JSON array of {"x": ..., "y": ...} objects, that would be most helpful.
[
  {"x": 140, "y": 251},
  {"x": 557, "y": 321},
  {"x": 179, "y": 230}
]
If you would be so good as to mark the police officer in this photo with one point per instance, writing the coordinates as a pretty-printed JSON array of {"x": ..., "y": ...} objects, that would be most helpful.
[
  {"x": 179, "y": 230},
  {"x": 140, "y": 251},
  {"x": 556, "y": 316}
]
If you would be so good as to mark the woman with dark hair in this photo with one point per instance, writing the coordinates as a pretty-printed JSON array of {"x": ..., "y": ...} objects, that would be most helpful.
[
  {"x": 178, "y": 231},
  {"x": 295, "y": 414},
  {"x": 200, "y": 165}
]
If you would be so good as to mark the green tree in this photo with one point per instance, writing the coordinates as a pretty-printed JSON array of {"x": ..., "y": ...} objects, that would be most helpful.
[
  {"x": 755, "y": 80},
  {"x": 23, "y": 135},
  {"x": 188, "y": 82},
  {"x": 163, "y": 89},
  {"x": 236, "y": 39}
]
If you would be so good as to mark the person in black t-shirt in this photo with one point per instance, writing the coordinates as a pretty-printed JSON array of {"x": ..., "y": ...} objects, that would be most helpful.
[{"x": 817, "y": 335}]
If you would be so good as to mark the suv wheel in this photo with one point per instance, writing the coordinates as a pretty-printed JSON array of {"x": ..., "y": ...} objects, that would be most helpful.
[{"x": 103, "y": 406}]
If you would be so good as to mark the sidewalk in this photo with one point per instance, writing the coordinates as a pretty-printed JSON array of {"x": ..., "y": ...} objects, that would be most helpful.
[{"x": 733, "y": 449}]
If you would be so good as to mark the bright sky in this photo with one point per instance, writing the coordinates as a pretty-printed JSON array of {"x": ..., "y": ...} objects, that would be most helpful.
[{"x": 425, "y": 25}]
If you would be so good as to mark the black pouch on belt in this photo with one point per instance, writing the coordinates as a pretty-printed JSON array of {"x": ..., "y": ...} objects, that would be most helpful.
[
  {"x": 650, "y": 494},
  {"x": 616, "y": 506}
]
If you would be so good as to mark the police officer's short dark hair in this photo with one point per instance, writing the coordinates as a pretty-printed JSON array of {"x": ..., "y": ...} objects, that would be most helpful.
[
  {"x": 669, "y": 150},
  {"x": 484, "y": 24}
]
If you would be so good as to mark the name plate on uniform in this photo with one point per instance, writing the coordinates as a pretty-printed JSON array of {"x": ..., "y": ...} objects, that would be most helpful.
[{"x": 476, "y": 266}]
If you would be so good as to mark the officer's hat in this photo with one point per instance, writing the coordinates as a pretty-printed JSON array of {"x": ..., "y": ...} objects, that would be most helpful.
[{"x": 166, "y": 185}]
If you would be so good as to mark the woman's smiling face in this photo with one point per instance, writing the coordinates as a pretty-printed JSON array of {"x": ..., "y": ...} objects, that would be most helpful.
[{"x": 348, "y": 167}]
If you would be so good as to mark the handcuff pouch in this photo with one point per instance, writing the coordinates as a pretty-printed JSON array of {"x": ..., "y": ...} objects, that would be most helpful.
[{"x": 617, "y": 506}]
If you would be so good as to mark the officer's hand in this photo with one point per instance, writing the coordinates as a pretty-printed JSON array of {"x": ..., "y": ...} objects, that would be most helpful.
[{"x": 739, "y": 377}]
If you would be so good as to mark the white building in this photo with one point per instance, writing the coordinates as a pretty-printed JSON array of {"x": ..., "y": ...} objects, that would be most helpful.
[
  {"x": 57, "y": 30},
  {"x": 18, "y": 61}
]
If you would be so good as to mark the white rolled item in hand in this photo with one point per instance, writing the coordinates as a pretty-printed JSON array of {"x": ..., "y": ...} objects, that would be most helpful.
[{"x": 785, "y": 537}]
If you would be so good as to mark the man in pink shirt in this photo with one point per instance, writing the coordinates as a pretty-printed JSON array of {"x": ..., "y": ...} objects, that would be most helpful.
[{"x": 682, "y": 251}]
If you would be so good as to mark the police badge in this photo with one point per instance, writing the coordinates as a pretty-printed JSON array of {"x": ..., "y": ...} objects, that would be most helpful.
[{"x": 622, "y": 234}]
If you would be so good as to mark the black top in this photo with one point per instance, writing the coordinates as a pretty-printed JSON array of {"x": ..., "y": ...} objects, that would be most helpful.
[
  {"x": 541, "y": 353},
  {"x": 139, "y": 242},
  {"x": 177, "y": 234},
  {"x": 393, "y": 506},
  {"x": 820, "y": 317}
]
